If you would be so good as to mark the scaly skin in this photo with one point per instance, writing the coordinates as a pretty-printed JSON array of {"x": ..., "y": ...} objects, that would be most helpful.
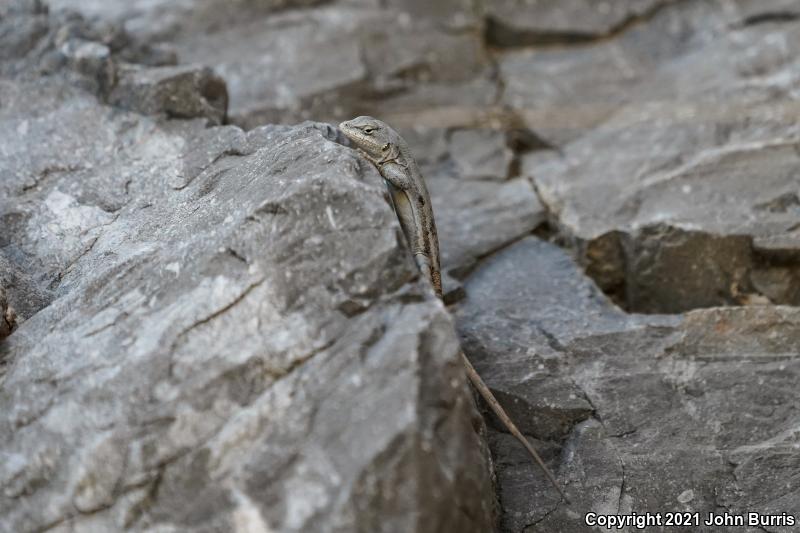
[
  {"x": 384, "y": 147},
  {"x": 389, "y": 153},
  {"x": 7, "y": 316}
]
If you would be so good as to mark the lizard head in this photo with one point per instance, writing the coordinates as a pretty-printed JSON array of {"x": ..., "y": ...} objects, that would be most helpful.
[{"x": 370, "y": 135}]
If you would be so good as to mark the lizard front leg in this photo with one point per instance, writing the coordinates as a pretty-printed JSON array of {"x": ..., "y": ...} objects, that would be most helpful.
[{"x": 8, "y": 317}]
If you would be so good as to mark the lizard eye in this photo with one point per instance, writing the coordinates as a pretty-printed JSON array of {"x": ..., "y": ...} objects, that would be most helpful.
[{"x": 368, "y": 130}]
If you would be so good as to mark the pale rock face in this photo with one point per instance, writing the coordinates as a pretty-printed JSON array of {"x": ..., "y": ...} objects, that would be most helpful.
[
  {"x": 219, "y": 328},
  {"x": 228, "y": 334},
  {"x": 682, "y": 196},
  {"x": 613, "y": 398}
]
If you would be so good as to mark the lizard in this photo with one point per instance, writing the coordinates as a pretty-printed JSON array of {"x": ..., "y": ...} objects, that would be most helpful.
[
  {"x": 385, "y": 149},
  {"x": 389, "y": 153},
  {"x": 8, "y": 318}
]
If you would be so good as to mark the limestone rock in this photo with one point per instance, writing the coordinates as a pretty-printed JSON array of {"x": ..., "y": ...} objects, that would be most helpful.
[
  {"x": 22, "y": 293},
  {"x": 201, "y": 346},
  {"x": 481, "y": 154},
  {"x": 180, "y": 92},
  {"x": 699, "y": 207},
  {"x": 235, "y": 364},
  {"x": 698, "y": 400},
  {"x": 563, "y": 92},
  {"x": 475, "y": 218},
  {"x": 226, "y": 333},
  {"x": 323, "y": 62},
  {"x": 537, "y": 22}
]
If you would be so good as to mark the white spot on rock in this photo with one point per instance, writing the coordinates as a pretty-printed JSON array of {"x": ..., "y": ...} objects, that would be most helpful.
[
  {"x": 247, "y": 517},
  {"x": 97, "y": 475},
  {"x": 329, "y": 212},
  {"x": 71, "y": 216}
]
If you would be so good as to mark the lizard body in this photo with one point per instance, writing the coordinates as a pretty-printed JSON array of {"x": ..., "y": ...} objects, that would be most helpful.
[
  {"x": 8, "y": 318},
  {"x": 390, "y": 154},
  {"x": 388, "y": 151}
]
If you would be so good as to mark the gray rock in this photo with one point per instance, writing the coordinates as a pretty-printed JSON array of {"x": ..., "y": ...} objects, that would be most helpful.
[
  {"x": 160, "y": 19},
  {"x": 21, "y": 38},
  {"x": 37, "y": 42},
  {"x": 183, "y": 297},
  {"x": 749, "y": 13},
  {"x": 197, "y": 318},
  {"x": 538, "y": 22},
  {"x": 436, "y": 108},
  {"x": 452, "y": 15},
  {"x": 275, "y": 67},
  {"x": 561, "y": 92},
  {"x": 180, "y": 92},
  {"x": 22, "y": 292},
  {"x": 699, "y": 207},
  {"x": 324, "y": 62},
  {"x": 228, "y": 333},
  {"x": 336, "y": 74},
  {"x": 91, "y": 59},
  {"x": 481, "y": 154},
  {"x": 632, "y": 411},
  {"x": 476, "y": 218}
]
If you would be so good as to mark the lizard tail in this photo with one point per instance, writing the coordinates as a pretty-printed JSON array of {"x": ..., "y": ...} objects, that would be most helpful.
[{"x": 500, "y": 412}]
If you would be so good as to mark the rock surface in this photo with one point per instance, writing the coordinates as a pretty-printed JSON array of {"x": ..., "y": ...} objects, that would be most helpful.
[
  {"x": 700, "y": 207},
  {"x": 179, "y": 92},
  {"x": 324, "y": 61},
  {"x": 613, "y": 398},
  {"x": 540, "y": 22},
  {"x": 228, "y": 336},
  {"x": 654, "y": 141}
]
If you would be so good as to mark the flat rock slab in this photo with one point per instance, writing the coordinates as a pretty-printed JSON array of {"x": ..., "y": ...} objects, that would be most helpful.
[
  {"x": 564, "y": 91},
  {"x": 634, "y": 412},
  {"x": 481, "y": 153},
  {"x": 286, "y": 61},
  {"x": 324, "y": 62},
  {"x": 685, "y": 195},
  {"x": 541, "y": 22},
  {"x": 475, "y": 218}
]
